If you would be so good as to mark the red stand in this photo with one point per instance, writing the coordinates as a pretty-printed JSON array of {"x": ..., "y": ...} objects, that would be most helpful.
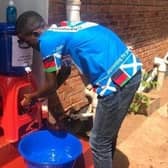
[{"x": 14, "y": 120}]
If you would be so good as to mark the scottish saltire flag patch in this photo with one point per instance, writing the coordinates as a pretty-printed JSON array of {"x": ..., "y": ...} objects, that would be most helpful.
[
  {"x": 120, "y": 78},
  {"x": 131, "y": 65},
  {"x": 49, "y": 64},
  {"x": 106, "y": 87}
]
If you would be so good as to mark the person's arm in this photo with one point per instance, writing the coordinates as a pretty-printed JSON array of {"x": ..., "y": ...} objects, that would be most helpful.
[
  {"x": 63, "y": 74},
  {"x": 53, "y": 80},
  {"x": 51, "y": 52},
  {"x": 48, "y": 88}
]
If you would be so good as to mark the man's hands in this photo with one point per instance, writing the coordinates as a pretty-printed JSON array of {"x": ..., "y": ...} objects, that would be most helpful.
[
  {"x": 59, "y": 123},
  {"x": 27, "y": 100},
  {"x": 48, "y": 88}
]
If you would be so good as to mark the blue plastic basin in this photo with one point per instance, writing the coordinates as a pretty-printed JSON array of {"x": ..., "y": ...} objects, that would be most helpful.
[{"x": 50, "y": 149}]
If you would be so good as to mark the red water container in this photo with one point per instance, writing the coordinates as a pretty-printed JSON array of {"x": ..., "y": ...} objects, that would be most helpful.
[{"x": 15, "y": 121}]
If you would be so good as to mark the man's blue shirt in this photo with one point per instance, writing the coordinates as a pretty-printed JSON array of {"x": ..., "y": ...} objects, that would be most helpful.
[{"x": 93, "y": 48}]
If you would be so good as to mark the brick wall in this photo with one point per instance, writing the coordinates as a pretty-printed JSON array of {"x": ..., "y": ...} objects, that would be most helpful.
[
  {"x": 56, "y": 11},
  {"x": 71, "y": 93},
  {"x": 142, "y": 24}
]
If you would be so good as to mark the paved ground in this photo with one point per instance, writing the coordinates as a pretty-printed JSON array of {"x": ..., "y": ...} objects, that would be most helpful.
[{"x": 143, "y": 140}]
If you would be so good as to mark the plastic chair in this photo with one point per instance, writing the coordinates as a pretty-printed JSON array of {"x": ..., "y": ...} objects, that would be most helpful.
[{"x": 15, "y": 120}]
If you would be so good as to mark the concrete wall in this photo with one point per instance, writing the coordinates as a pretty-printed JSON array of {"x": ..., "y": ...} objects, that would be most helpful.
[
  {"x": 40, "y": 6},
  {"x": 3, "y": 4}
]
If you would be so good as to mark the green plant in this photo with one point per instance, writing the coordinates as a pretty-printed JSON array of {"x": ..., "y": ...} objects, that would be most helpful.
[
  {"x": 148, "y": 85},
  {"x": 140, "y": 103}
]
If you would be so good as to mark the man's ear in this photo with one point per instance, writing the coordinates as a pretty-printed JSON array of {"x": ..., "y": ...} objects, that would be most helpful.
[{"x": 36, "y": 34}]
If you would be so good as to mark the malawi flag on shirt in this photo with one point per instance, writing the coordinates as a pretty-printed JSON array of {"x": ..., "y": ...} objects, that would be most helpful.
[
  {"x": 120, "y": 78},
  {"x": 49, "y": 64}
]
